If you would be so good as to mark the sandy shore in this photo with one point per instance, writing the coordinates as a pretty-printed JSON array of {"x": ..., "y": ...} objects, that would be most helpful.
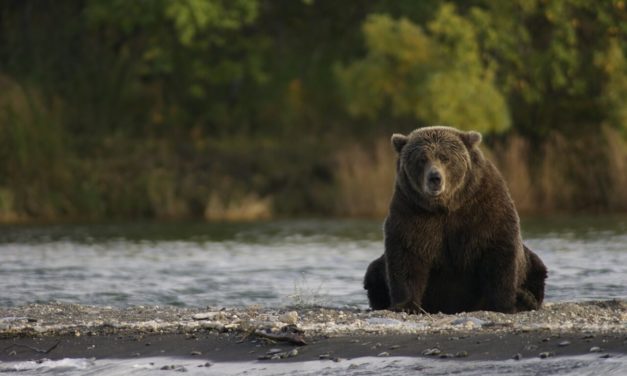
[{"x": 57, "y": 331}]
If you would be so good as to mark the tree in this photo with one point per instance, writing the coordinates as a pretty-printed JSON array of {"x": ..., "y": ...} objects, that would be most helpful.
[{"x": 434, "y": 74}]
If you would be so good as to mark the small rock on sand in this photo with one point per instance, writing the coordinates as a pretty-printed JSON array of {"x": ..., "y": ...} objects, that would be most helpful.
[
  {"x": 206, "y": 316},
  {"x": 433, "y": 351},
  {"x": 469, "y": 322},
  {"x": 290, "y": 318}
]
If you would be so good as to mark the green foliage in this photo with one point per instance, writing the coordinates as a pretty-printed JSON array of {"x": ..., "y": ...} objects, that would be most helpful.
[
  {"x": 192, "y": 17},
  {"x": 544, "y": 56},
  {"x": 33, "y": 151},
  {"x": 117, "y": 108},
  {"x": 437, "y": 76},
  {"x": 614, "y": 95}
]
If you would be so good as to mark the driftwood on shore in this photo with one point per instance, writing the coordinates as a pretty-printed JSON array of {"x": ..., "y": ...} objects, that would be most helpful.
[
  {"x": 292, "y": 338},
  {"x": 32, "y": 348}
]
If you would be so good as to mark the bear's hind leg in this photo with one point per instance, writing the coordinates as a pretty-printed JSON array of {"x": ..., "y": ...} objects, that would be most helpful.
[
  {"x": 375, "y": 282},
  {"x": 531, "y": 295},
  {"x": 536, "y": 275}
]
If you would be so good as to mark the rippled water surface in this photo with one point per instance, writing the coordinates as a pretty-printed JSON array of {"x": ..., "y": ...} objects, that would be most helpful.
[
  {"x": 272, "y": 264},
  {"x": 576, "y": 365}
]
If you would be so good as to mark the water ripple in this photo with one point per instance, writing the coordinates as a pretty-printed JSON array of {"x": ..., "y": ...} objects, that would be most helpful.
[{"x": 271, "y": 264}]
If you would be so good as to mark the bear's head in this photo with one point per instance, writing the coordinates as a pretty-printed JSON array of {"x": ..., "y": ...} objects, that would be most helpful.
[{"x": 435, "y": 163}]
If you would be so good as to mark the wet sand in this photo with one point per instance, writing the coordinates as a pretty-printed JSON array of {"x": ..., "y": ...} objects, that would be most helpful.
[
  {"x": 58, "y": 331},
  {"x": 230, "y": 347}
]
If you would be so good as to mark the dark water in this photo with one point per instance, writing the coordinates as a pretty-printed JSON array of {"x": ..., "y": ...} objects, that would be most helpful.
[{"x": 279, "y": 263}]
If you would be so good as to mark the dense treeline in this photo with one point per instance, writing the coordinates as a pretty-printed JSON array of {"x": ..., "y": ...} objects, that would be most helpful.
[{"x": 235, "y": 109}]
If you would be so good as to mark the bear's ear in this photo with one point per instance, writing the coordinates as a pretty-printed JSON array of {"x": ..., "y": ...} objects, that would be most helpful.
[
  {"x": 398, "y": 141},
  {"x": 471, "y": 139}
]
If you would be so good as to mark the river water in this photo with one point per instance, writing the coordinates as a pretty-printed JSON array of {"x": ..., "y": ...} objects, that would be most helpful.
[
  {"x": 283, "y": 263},
  {"x": 272, "y": 264},
  {"x": 394, "y": 366}
]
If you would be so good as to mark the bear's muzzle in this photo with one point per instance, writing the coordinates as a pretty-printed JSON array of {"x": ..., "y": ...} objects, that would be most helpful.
[{"x": 434, "y": 181}]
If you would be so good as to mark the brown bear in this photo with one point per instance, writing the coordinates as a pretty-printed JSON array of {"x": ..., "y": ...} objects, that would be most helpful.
[{"x": 452, "y": 235}]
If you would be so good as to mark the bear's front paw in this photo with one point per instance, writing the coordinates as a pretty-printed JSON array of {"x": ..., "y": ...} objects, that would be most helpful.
[{"x": 409, "y": 307}]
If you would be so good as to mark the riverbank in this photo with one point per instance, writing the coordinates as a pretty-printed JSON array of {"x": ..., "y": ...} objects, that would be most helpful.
[{"x": 57, "y": 331}]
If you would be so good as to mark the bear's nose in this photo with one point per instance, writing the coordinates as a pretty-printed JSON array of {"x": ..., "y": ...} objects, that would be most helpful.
[{"x": 435, "y": 178}]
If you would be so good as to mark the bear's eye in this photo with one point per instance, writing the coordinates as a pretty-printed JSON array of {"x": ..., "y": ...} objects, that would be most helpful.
[
  {"x": 423, "y": 159},
  {"x": 444, "y": 158}
]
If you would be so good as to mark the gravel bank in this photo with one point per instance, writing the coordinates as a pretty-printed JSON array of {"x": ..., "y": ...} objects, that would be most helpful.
[
  {"x": 56, "y": 331},
  {"x": 70, "y": 319}
]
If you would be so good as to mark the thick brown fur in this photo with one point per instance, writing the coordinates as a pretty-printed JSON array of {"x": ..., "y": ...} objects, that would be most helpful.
[{"x": 452, "y": 235}]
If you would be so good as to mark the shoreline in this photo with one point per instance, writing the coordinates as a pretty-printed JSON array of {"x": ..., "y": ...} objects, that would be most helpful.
[
  {"x": 231, "y": 348},
  {"x": 56, "y": 331}
]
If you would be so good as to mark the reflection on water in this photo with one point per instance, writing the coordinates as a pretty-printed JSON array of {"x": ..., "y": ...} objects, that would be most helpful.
[{"x": 272, "y": 264}]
